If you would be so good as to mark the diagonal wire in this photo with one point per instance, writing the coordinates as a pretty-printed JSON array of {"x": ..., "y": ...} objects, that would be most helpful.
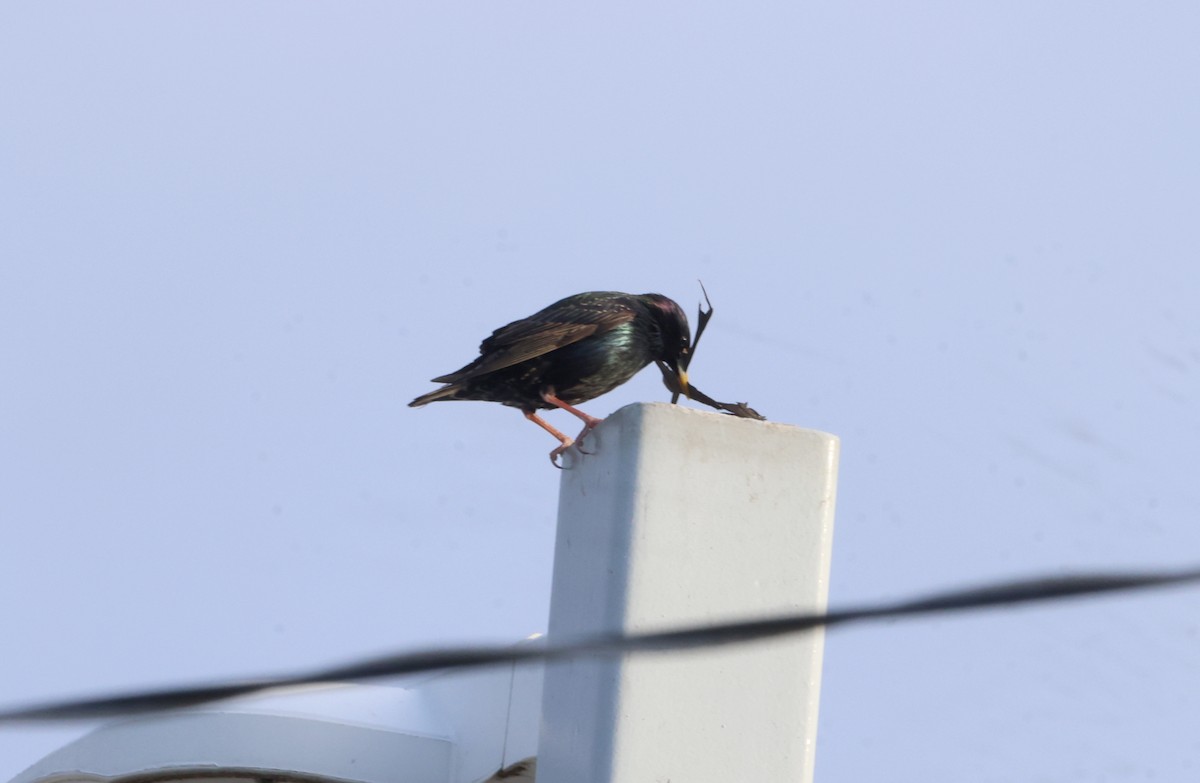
[{"x": 992, "y": 595}]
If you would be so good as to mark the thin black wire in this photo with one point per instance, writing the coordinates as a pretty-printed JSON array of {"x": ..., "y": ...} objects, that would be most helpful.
[{"x": 986, "y": 596}]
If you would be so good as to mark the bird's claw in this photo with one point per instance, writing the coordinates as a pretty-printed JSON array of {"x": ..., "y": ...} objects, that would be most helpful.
[
  {"x": 590, "y": 425},
  {"x": 554, "y": 455},
  {"x": 567, "y": 443},
  {"x": 579, "y": 441}
]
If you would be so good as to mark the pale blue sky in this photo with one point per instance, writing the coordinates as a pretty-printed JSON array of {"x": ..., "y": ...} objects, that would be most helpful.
[{"x": 237, "y": 238}]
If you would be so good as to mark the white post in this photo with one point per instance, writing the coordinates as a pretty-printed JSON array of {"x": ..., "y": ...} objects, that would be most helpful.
[{"x": 685, "y": 517}]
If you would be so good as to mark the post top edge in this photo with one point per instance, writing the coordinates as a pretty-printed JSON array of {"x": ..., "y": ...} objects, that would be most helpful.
[{"x": 666, "y": 409}]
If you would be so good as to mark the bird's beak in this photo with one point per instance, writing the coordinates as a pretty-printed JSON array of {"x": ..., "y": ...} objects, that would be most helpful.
[{"x": 681, "y": 374}]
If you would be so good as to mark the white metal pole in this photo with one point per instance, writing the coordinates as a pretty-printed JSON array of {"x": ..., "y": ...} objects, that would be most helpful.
[{"x": 685, "y": 517}]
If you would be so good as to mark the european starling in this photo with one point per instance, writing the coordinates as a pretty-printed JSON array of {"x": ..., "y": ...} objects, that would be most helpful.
[{"x": 574, "y": 350}]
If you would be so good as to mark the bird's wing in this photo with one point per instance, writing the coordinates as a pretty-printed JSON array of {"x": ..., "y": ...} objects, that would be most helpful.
[{"x": 538, "y": 335}]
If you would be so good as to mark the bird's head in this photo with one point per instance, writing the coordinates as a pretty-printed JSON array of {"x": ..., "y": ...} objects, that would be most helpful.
[{"x": 672, "y": 337}]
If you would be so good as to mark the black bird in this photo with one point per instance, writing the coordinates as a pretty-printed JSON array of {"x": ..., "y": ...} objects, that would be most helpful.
[{"x": 574, "y": 350}]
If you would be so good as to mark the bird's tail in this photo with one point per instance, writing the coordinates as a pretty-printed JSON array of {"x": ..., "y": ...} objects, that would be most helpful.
[{"x": 444, "y": 393}]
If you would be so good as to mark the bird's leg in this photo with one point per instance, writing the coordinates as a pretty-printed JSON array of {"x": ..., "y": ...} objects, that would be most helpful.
[
  {"x": 589, "y": 422},
  {"x": 563, "y": 439}
]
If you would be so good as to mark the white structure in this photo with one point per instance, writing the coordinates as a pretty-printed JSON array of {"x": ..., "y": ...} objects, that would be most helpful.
[
  {"x": 686, "y": 518},
  {"x": 679, "y": 517},
  {"x": 456, "y": 727}
]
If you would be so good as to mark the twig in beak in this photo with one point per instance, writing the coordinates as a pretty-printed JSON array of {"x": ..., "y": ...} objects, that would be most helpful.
[{"x": 685, "y": 361}]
